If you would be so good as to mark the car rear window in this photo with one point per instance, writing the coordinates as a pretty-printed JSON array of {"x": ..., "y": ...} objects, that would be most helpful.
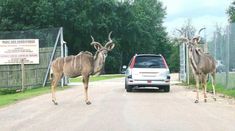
[{"x": 149, "y": 62}]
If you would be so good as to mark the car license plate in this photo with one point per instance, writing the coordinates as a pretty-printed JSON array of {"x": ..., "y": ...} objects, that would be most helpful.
[{"x": 149, "y": 81}]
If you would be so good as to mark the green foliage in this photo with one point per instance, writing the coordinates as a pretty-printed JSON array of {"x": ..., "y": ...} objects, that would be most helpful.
[
  {"x": 174, "y": 60},
  {"x": 231, "y": 12},
  {"x": 137, "y": 25}
]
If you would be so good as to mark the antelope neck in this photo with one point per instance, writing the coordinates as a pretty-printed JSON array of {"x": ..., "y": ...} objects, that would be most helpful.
[
  {"x": 195, "y": 58},
  {"x": 98, "y": 62}
]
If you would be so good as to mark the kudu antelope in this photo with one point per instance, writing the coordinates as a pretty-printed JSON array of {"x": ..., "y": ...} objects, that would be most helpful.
[
  {"x": 201, "y": 64},
  {"x": 83, "y": 64}
]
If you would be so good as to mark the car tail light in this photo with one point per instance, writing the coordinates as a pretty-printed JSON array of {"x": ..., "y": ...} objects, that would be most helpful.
[
  {"x": 132, "y": 63},
  {"x": 164, "y": 61}
]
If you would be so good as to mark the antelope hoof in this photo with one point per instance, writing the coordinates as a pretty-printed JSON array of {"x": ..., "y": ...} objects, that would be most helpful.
[
  {"x": 55, "y": 103},
  {"x": 196, "y": 101},
  {"x": 205, "y": 100},
  {"x": 214, "y": 99},
  {"x": 88, "y": 102}
]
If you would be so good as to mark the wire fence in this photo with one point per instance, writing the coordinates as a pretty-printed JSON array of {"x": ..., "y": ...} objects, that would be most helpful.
[
  {"x": 222, "y": 48},
  {"x": 10, "y": 75}
]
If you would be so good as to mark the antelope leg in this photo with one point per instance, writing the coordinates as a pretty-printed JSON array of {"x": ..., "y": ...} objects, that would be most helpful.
[
  {"x": 53, "y": 87},
  {"x": 197, "y": 89},
  {"x": 85, "y": 83},
  {"x": 213, "y": 85}
]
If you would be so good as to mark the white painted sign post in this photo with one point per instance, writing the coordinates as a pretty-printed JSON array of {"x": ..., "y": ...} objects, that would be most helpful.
[
  {"x": 22, "y": 75},
  {"x": 19, "y": 51}
]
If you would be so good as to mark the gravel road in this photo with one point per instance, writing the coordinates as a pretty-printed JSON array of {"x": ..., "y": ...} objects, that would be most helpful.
[{"x": 113, "y": 109}]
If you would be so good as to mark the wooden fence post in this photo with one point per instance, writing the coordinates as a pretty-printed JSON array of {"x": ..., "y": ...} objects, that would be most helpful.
[{"x": 22, "y": 75}]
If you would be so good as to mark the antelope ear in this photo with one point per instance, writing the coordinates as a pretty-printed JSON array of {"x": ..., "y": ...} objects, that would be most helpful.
[
  {"x": 109, "y": 46},
  {"x": 97, "y": 46}
]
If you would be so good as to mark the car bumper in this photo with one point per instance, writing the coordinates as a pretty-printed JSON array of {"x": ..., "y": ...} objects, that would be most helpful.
[{"x": 149, "y": 83}]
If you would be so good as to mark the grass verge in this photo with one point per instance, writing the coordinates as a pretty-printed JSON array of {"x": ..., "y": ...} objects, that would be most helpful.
[
  {"x": 6, "y": 99},
  {"x": 13, "y": 98},
  {"x": 220, "y": 89},
  {"x": 97, "y": 78}
]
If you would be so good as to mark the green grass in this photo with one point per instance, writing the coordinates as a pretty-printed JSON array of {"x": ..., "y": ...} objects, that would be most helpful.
[
  {"x": 221, "y": 79},
  {"x": 6, "y": 99},
  {"x": 220, "y": 89},
  {"x": 221, "y": 83},
  {"x": 98, "y": 78},
  {"x": 13, "y": 98}
]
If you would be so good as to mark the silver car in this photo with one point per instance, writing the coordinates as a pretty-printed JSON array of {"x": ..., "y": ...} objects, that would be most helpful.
[{"x": 147, "y": 70}]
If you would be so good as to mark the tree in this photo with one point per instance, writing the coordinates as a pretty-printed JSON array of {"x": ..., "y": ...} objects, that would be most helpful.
[
  {"x": 174, "y": 58},
  {"x": 187, "y": 29},
  {"x": 231, "y": 12},
  {"x": 136, "y": 25},
  {"x": 143, "y": 31}
]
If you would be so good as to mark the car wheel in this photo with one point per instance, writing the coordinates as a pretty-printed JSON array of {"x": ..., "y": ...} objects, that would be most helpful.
[
  {"x": 167, "y": 89},
  {"x": 128, "y": 89}
]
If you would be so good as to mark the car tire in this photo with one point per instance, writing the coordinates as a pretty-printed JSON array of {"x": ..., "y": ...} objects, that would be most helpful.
[
  {"x": 167, "y": 89},
  {"x": 129, "y": 89}
]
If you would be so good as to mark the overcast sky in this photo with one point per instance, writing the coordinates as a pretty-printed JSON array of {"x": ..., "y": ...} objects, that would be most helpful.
[{"x": 203, "y": 13}]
